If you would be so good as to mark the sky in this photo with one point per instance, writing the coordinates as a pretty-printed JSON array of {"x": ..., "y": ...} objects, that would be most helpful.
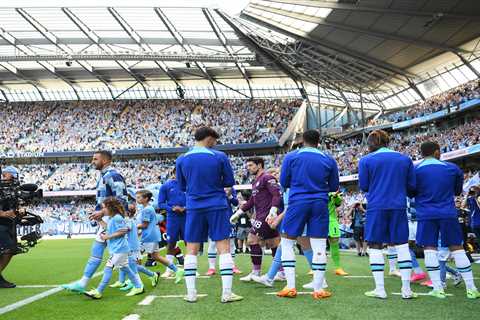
[{"x": 232, "y": 7}]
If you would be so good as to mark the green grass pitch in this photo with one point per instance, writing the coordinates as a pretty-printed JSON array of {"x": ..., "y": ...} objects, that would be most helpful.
[{"x": 61, "y": 261}]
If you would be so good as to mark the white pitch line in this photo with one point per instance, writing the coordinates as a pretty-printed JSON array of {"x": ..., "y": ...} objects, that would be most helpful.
[
  {"x": 198, "y": 277},
  {"x": 147, "y": 301},
  {"x": 181, "y": 296},
  {"x": 420, "y": 294},
  {"x": 36, "y": 297},
  {"x": 300, "y": 292},
  {"x": 132, "y": 317},
  {"x": 37, "y": 286}
]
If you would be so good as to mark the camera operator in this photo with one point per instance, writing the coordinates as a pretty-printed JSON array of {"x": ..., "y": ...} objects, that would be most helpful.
[
  {"x": 8, "y": 235},
  {"x": 357, "y": 215},
  {"x": 472, "y": 202}
]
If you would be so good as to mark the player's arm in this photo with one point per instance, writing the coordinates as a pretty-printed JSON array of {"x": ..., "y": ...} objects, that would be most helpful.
[
  {"x": 146, "y": 218},
  {"x": 243, "y": 208},
  {"x": 162, "y": 198},
  {"x": 228, "y": 178},
  {"x": 333, "y": 179},
  {"x": 411, "y": 180},
  {"x": 182, "y": 183},
  {"x": 363, "y": 178},
  {"x": 458, "y": 181},
  {"x": 120, "y": 226},
  {"x": 285, "y": 175},
  {"x": 234, "y": 197},
  {"x": 274, "y": 190}
]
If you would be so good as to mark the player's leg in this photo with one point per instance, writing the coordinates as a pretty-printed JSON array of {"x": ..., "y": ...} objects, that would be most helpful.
[
  {"x": 173, "y": 230},
  {"x": 418, "y": 274},
  {"x": 292, "y": 227},
  {"x": 153, "y": 276},
  {"x": 92, "y": 265},
  {"x": 317, "y": 230},
  {"x": 427, "y": 237},
  {"x": 212, "y": 258},
  {"x": 392, "y": 261},
  {"x": 358, "y": 240},
  {"x": 376, "y": 229},
  {"x": 451, "y": 236},
  {"x": 196, "y": 232},
  {"x": 334, "y": 237},
  {"x": 256, "y": 254},
  {"x": 233, "y": 252},
  {"x": 219, "y": 230},
  {"x": 97, "y": 293},
  {"x": 398, "y": 230},
  {"x": 153, "y": 249}
]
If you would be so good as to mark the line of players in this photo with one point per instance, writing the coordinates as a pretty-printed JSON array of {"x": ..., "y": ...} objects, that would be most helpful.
[{"x": 310, "y": 183}]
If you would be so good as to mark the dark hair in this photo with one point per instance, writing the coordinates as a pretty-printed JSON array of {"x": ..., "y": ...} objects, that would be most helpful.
[
  {"x": 145, "y": 194},
  {"x": 205, "y": 132},
  {"x": 377, "y": 139},
  {"x": 114, "y": 205},
  {"x": 312, "y": 137},
  {"x": 428, "y": 148},
  {"x": 105, "y": 153},
  {"x": 257, "y": 161}
]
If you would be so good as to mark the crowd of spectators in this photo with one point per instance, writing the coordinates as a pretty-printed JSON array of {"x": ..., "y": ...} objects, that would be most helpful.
[
  {"x": 348, "y": 152},
  {"x": 445, "y": 100},
  {"x": 90, "y": 125}
]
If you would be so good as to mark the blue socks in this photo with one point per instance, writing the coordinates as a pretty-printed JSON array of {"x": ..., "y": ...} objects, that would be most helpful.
[
  {"x": 95, "y": 259},
  {"x": 172, "y": 267},
  {"x": 132, "y": 276},
  {"x": 276, "y": 264},
  {"x": 107, "y": 275},
  {"x": 144, "y": 270},
  {"x": 308, "y": 254}
]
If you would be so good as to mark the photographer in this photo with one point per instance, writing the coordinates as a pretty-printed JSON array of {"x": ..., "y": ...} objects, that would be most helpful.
[
  {"x": 472, "y": 203},
  {"x": 357, "y": 215},
  {"x": 8, "y": 236}
]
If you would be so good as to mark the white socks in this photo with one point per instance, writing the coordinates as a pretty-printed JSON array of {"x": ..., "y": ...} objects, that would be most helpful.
[
  {"x": 392, "y": 258},
  {"x": 464, "y": 267},
  {"x": 212, "y": 254},
  {"x": 84, "y": 281},
  {"x": 405, "y": 266},
  {"x": 226, "y": 272},
  {"x": 319, "y": 262},
  {"x": 433, "y": 268},
  {"x": 377, "y": 265},
  {"x": 288, "y": 261},
  {"x": 190, "y": 266}
]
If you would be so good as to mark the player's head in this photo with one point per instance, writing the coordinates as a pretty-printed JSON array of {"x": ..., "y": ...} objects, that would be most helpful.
[
  {"x": 430, "y": 149},
  {"x": 206, "y": 136},
  {"x": 255, "y": 164},
  {"x": 101, "y": 159},
  {"x": 10, "y": 173},
  {"x": 113, "y": 206},
  {"x": 377, "y": 139},
  {"x": 311, "y": 138},
  {"x": 274, "y": 172},
  {"x": 144, "y": 196}
]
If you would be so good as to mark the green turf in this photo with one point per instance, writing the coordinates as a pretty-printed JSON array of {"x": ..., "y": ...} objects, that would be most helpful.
[{"x": 55, "y": 262}]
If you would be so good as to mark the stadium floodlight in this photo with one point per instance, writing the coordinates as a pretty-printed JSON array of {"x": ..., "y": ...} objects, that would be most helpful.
[{"x": 126, "y": 56}]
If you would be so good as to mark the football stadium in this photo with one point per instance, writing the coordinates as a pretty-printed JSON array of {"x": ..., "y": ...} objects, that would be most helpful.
[{"x": 249, "y": 159}]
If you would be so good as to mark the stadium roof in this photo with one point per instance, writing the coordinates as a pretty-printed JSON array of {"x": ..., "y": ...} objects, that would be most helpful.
[{"x": 384, "y": 47}]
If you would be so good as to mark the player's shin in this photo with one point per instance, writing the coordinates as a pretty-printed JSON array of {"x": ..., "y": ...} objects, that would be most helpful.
[
  {"x": 190, "y": 273},
  {"x": 319, "y": 262},
  {"x": 288, "y": 261},
  {"x": 433, "y": 267}
]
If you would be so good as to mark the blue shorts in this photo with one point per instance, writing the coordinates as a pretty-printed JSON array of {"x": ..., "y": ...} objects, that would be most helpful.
[
  {"x": 209, "y": 223},
  {"x": 448, "y": 230},
  {"x": 313, "y": 215},
  {"x": 175, "y": 229},
  {"x": 386, "y": 226}
]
